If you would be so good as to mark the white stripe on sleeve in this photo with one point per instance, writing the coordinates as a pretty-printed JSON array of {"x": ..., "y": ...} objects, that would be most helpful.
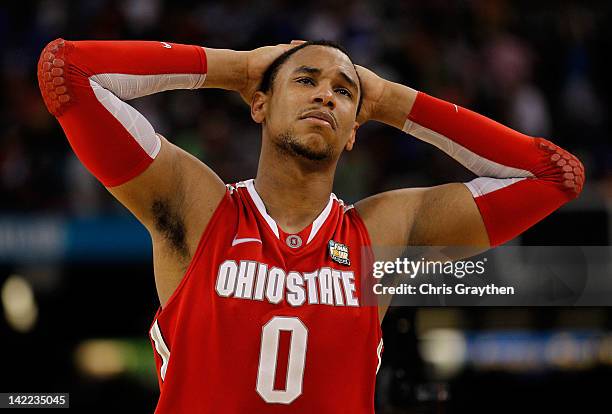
[
  {"x": 127, "y": 87},
  {"x": 478, "y": 165},
  {"x": 484, "y": 185},
  {"x": 132, "y": 120}
]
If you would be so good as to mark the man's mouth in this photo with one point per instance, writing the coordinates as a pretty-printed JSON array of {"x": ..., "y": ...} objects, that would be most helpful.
[{"x": 321, "y": 117}]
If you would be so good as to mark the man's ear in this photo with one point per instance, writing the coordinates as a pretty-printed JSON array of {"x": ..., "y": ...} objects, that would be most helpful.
[
  {"x": 351, "y": 140},
  {"x": 258, "y": 106}
]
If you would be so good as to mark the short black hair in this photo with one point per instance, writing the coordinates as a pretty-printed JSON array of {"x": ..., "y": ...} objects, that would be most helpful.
[{"x": 269, "y": 75}]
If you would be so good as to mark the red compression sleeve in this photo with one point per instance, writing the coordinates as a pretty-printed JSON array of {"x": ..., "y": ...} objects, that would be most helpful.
[
  {"x": 83, "y": 84},
  {"x": 523, "y": 179}
]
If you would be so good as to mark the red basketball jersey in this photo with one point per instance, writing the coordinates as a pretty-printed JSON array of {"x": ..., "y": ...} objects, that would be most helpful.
[{"x": 269, "y": 322}]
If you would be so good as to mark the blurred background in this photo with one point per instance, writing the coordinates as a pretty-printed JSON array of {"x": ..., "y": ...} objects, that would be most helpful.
[{"x": 76, "y": 282}]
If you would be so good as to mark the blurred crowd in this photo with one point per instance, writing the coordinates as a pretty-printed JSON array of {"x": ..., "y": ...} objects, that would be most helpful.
[{"x": 538, "y": 67}]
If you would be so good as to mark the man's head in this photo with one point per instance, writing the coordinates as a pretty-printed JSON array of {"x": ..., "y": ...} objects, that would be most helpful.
[{"x": 308, "y": 101}]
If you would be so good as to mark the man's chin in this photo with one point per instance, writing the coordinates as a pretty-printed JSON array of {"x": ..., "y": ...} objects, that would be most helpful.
[
  {"x": 307, "y": 152},
  {"x": 312, "y": 147}
]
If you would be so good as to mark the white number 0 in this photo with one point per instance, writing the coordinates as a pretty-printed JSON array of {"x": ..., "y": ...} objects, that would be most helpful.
[{"x": 269, "y": 354}]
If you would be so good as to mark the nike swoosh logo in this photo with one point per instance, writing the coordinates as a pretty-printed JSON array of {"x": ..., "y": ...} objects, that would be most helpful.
[
  {"x": 246, "y": 240},
  {"x": 166, "y": 45}
]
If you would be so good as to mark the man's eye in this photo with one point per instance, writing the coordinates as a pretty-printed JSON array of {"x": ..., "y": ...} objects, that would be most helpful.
[
  {"x": 345, "y": 92},
  {"x": 305, "y": 81}
]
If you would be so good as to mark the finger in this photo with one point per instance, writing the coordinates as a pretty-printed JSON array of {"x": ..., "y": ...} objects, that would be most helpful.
[{"x": 297, "y": 42}]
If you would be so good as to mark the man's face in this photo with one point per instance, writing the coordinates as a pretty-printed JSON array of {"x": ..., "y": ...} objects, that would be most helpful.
[{"x": 312, "y": 107}]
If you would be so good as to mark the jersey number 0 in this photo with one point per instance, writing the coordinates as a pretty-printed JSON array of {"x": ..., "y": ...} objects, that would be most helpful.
[{"x": 269, "y": 354}]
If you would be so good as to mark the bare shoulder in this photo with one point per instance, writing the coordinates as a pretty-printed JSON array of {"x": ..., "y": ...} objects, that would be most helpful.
[
  {"x": 443, "y": 215},
  {"x": 389, "y": 216}
]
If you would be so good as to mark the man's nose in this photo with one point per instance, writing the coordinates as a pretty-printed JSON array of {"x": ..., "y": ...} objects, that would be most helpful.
[{"x": 325, "y": 96}]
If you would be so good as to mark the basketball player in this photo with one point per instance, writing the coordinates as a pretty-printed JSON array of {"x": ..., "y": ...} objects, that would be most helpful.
[{"x": 258, "y": 280}]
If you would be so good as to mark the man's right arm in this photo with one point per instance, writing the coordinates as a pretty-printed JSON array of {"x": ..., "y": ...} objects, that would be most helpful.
[{"x": 85, "y": 85}]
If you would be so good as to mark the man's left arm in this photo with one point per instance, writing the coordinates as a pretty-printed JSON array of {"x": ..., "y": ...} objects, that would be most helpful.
[{"x": 521, "y": 179}]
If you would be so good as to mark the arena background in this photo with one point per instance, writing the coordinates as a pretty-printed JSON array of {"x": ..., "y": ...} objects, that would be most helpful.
[{"x": 75, "y": 269}]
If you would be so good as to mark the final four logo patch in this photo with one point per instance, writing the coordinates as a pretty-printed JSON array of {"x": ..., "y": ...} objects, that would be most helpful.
[{"x": 339, "y": 253}]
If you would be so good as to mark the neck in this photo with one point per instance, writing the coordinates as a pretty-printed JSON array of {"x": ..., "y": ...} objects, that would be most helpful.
[{"x": 294, "y": 190}]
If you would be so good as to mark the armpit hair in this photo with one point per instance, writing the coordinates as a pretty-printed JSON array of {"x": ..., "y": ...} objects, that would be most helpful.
[{"x": 171, "y": 225}]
